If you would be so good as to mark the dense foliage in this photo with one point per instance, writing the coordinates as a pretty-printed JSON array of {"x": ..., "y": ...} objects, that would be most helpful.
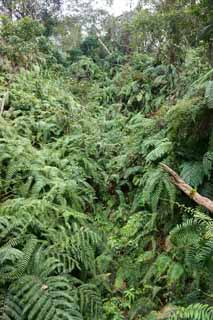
[{"x": 91, "y": 226}]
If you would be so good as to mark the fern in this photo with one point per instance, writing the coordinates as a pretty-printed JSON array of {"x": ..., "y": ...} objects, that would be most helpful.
[
  {"x": 185, "y": 234},
  {"x": 196, "y": 311},
  {"x": 193, "y": 173},
  {"x": 208, "y": 163},
  {"x": 90, "y": 301},
  {"x": 205, "y": 253},
  {"x": 22, "y": 263},
  {"x": 87, "y": 216},
  {"x": 157, "y": 186},
  {"x": 45, "y": 298},
  {"x": 162, "y": 150},
  {"x": 40, "y": 294}
]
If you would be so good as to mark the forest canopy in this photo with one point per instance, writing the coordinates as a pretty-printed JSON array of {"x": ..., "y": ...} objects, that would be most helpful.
[{"x": 106, "y": 160}]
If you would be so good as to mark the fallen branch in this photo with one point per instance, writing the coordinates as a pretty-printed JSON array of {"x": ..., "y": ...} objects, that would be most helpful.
[{"x": 187, "y": 189}]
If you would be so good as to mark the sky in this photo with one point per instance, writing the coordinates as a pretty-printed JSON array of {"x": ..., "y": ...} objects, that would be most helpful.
[{"x": 120, "y": 6}]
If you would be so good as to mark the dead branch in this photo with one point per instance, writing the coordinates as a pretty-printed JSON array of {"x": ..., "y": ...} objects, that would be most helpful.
[{"x": 187, "y": 189}]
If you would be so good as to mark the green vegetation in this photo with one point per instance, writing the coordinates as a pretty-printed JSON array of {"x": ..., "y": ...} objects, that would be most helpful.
[{"x": 91, "y": 225}]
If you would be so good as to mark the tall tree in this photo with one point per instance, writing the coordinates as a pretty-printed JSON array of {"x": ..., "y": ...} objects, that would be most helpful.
[
  {"x": 88, "y": 13},
  {"x": 36, "y": 9}
]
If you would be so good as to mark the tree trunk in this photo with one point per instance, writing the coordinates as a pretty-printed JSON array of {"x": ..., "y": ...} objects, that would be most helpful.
[{"x": 210, "y": 51}]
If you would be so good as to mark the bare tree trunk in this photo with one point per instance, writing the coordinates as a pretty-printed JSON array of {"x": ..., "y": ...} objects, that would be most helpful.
[
  {"x": 103, "y": 45},
  {"x": 188, "y": 190}
]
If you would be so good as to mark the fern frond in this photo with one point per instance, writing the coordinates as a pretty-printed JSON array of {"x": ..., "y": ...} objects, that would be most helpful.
[
  {"x": 50, "y": 298},
  {"x": 22, "y": 262},
  {"x": 206, "y": 252},
  {"x": 157, "y": 183},
  {"x": 208, "y": 163},
  {"x": 185, "y": 234},
  {"x": 162, "y": 150},
  {"x": 193, "y": 173},
  {"x": 194, "y": 312},
  {"x": 90, "y": 301}
]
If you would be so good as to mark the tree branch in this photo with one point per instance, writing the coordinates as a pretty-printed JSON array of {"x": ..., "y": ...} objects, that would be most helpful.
[{"x": 187, "y": 189}]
